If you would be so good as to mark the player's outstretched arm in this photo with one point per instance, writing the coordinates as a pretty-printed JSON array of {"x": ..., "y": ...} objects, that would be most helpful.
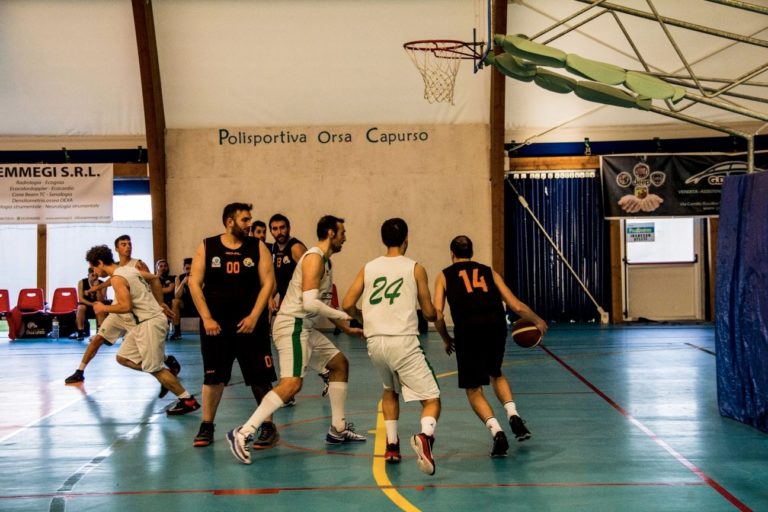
[
  {"x": 518, "y": 306},
  {"x": 422, "y": 289},
  {"x": 439, "y": 303},
  {"x": 312, "y": 272},
  {"x": 349, "y": 304}
]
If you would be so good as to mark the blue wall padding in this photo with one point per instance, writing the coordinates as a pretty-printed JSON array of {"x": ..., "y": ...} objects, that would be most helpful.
[{"x": 741, "y": 329}]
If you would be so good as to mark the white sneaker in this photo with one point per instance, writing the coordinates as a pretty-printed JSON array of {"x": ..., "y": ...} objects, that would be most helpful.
[
  {"x": 348, "y": 435},
  {"x": 239, "y": 445}
]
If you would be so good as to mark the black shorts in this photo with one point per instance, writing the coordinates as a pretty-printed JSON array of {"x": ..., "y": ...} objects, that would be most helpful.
[
  {"x": 479, "y": 353},
  {"x": 252, "y": 351}
]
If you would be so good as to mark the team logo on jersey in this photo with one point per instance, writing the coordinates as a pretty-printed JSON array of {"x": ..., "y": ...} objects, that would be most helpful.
[
  {"x": 248, "y": 262},
  {"x": 286, "y": 259},
  {"x": 215, "y": 262}
]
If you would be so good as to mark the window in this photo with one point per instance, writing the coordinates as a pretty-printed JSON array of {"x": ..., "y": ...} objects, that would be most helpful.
[{"x": 660, "y": 241}]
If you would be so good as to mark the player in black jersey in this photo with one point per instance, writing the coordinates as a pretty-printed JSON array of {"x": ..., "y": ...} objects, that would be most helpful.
[
  {"x": 475, "y": 293},
  {"x": 286, "y": 251},
  {"x": 231, "y": 281},
  {"x": 259, "y": 230}
]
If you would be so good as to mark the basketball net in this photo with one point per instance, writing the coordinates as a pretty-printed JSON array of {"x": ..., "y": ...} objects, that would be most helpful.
[{"x": 438, "y": 68}]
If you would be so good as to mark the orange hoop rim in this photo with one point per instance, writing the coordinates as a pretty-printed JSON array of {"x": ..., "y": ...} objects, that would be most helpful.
[{"x": 447, "y": 48}]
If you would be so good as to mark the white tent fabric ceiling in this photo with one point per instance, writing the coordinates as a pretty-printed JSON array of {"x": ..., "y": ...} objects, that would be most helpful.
[{"x": 70, "y": 67}]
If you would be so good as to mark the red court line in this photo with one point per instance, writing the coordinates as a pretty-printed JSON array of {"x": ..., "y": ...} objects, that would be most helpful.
[
  {"x": 678, "y": 456},
  {"x": 277, "y": 490}
]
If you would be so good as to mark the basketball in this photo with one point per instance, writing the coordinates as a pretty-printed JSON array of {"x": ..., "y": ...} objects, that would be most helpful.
[{"x": 526, "y": 334}]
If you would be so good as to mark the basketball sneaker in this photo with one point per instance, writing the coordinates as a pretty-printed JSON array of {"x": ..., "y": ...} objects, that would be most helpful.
[
  {"x": 204, "y": 436},
  {"x": 75, "y": 378},
  {"x": 268, "y": 436},
  {"x": 422, "y": 445},
  {"x": 500, "y": 445},
  {"x": 518, "y": 428},
  {"x": 183, "y": 406},
  {"x": 175, "y": 367},
  {"x": 348, "y": 435},
  {"x": 392, "y": 453},
  {"x": 239, "y": 445}
]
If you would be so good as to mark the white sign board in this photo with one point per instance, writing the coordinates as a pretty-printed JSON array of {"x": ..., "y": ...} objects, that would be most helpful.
[{"x": 55, "y": 193}]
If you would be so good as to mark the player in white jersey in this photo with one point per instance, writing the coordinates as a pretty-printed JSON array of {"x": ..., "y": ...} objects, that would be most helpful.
[
  {"x": 392, "y": 286},
  {"x": 115, "y": 326},
  {"x": 300, "y": 345},
  {"x": 138, "y": 293}
]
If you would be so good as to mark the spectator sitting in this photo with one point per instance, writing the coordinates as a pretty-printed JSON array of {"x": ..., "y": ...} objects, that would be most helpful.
[
  {"x": 183, "y": 306},
  {"x": 86, "y": 298}
]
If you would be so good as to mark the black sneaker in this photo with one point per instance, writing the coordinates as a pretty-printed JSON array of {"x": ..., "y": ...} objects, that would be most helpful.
[
  {"x": 183, "y": 406},
  {"x": 75, "y": 378},
  {"x": 204, "y": 436},
  {"x": 392, "y": 452},
  {"x": 267, "y": 436},
  {"x": 175, "y": 367},
  {"x": 500, "y": 445},
  {"x": 518, "y": 428}
]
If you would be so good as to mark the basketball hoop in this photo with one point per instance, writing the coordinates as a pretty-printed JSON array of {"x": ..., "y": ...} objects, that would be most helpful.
[{"x": 438, "y": 62}]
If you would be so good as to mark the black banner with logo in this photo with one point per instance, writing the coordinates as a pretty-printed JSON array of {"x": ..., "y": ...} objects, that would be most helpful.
[{"x": 669, "y": 185}]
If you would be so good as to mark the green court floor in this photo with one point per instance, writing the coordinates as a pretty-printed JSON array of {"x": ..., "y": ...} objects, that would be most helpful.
[{"x": 623, "y": 419}]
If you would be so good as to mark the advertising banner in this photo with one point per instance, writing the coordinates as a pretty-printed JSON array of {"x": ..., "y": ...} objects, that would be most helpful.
[
  {"x": 679, "y": 185},
  {"x": 55, "y": 193}
]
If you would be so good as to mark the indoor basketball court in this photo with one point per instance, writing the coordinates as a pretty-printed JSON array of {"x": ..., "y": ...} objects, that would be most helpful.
[{"x": 606, "y": 158}]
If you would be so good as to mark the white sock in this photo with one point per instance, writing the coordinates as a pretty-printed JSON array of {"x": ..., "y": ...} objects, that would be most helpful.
[
  {"x": 337, "y": 393},
  {"x": 493, "y": 425},
  {"x": 184, "y": 395},
  {"x": 82, "y": 367},
  {"x": 269, "y": 404},
  {"x": 511, "y": 409},
  {"x": 428, "y": 425},
  {"x": 391, "y": 426}
]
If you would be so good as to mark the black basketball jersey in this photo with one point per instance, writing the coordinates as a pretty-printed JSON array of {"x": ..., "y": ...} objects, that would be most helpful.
[
  {"x": 232, "y": 281},
  {"x": 284, "y": 264},
  {"x": 472, "y": 294}
]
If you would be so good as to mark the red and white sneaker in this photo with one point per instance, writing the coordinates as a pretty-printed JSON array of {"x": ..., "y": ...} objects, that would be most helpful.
[{"x": 422, "y": 445}]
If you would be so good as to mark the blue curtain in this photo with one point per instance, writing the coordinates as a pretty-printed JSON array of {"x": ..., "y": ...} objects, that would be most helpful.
[
  {"x": 741, "y": 298},
  {"x": 570, "y": 209}
]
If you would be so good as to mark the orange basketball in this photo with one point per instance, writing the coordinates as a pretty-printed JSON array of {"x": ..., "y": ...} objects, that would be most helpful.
[{"x": 526, "y": 334}]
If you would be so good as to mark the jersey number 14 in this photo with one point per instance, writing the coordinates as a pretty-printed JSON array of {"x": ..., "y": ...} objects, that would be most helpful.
[{"x": 477, "y": 283}]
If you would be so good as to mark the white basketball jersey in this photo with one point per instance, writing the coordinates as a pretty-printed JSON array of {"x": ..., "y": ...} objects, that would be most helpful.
[
  {"x": 293, "y": 303},
  {"x": 144, "y": 304},
  {"x": 390, "y": 297}
]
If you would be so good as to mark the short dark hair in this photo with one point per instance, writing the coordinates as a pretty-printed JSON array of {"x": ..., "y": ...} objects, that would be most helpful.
[
  {"x": 325, "y": 223},
  {"x": 279, "y": 217},
  {"x": 394, "y": 232},
  {"x": 99, "y": 253},
  {"x": 258, "y": 224},
  {"x": 461, "y": 246},
  {"x": 187, "y": 261},
  {"x": 232, "y": 208},
  {"x": 121, "y": 238}
]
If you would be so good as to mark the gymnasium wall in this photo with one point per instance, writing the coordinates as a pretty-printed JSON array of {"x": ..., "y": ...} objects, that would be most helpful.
[{"x": 433, "y": 176}]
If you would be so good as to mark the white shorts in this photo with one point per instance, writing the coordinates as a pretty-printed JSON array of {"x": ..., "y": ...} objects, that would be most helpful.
[
  {"x": 144, "y": 344},
  {"x": 299, "y": 348},
  {"x": 115, "y": 326},
  {"x": 403, "y": 367}
]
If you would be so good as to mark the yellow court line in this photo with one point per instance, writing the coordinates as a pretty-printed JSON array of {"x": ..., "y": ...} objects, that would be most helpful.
[{"x": 380, "y": 466}]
